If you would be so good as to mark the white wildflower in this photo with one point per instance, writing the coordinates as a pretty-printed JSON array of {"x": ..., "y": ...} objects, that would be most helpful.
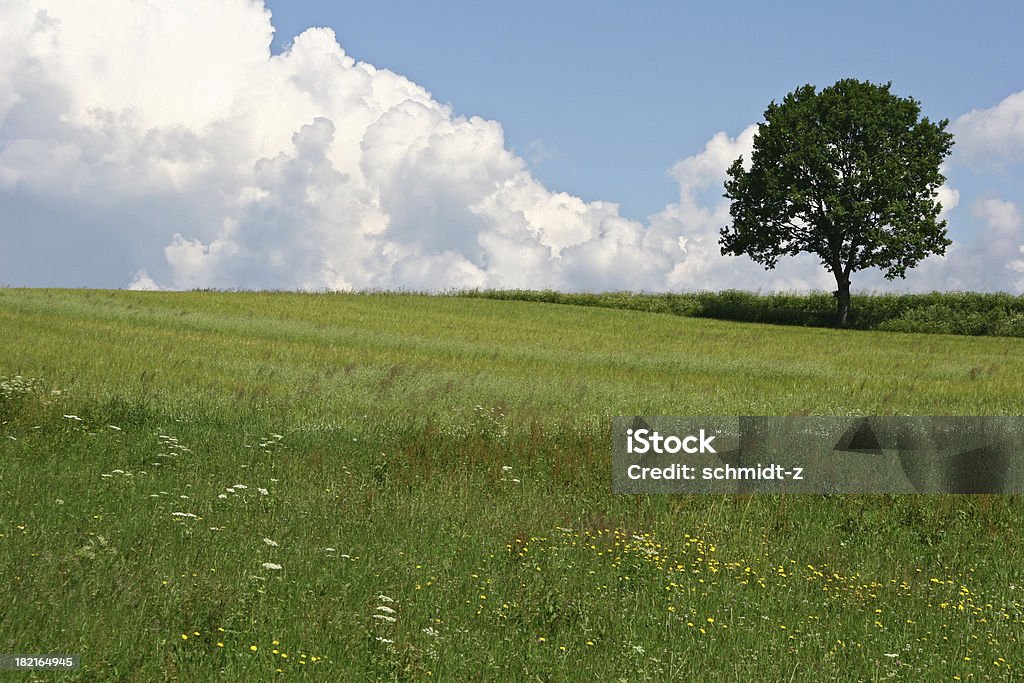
[
  {"x": 385, "y": 598},
  {"x": 223, "y": 496},
  {"x": 263, "y": 492},
  {"x": 384, "y": 617},
  {"x": 385, "y": 609},
  {"x": 385, "y": 640},
  {"x": 240, "y": 486},
  {"x": 271, "y": 565},
  {"x": 432, "y": 632},
  {"x": 115, "y": 428},
  {"x": 269, "y": 541},
  {"x": 184, "y": 514},
  {"x": 73, "y": 417}
]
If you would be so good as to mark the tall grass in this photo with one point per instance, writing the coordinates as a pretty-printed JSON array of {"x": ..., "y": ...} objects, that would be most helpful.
[
  {"x": 968, "y": 313},
  {"x": 398, "y": 487}
]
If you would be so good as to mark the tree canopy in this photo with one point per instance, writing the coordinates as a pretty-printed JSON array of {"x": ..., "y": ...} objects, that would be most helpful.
[{"x": 850, "y": 174}]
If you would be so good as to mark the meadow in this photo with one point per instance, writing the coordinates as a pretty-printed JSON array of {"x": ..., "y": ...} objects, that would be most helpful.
[
  {"x": 971, "y": 313},
  {"x": 263, "y": 486}
]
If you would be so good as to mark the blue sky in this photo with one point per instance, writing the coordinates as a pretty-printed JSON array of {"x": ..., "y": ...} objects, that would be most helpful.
[
  {"x": 614, "y": 93},
  {"x": 175, "y": 144}
]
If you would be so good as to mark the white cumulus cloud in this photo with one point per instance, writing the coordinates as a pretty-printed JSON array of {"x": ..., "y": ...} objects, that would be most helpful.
[
  {"x": 210, "y": 162},
  {"x": 993, "y": 136}
]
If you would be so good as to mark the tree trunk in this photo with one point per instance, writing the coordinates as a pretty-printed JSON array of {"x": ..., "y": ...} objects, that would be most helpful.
[{"x": 842, "y": 299}]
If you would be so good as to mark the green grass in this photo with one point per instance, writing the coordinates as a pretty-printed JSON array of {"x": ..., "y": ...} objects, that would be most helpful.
[
  {"x": 968, "y": 313},
  {"x": 453, "y": 455}
]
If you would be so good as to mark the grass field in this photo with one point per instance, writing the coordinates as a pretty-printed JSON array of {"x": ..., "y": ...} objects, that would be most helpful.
[
  {"x": 970, "y": 313},
  {"x": 399, "y": 487}
]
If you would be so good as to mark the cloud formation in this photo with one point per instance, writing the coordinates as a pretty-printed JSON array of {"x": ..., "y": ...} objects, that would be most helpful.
[
  {"x": 162, "y": 145},
  {"x": 994, "y": 136}
]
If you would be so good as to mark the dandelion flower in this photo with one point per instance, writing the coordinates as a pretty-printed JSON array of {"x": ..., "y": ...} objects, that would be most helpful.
[{"x": 253, "y": 648}]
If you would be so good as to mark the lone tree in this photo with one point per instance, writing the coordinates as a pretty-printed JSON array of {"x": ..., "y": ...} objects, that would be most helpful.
[{"x": 850, "y": 174}]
